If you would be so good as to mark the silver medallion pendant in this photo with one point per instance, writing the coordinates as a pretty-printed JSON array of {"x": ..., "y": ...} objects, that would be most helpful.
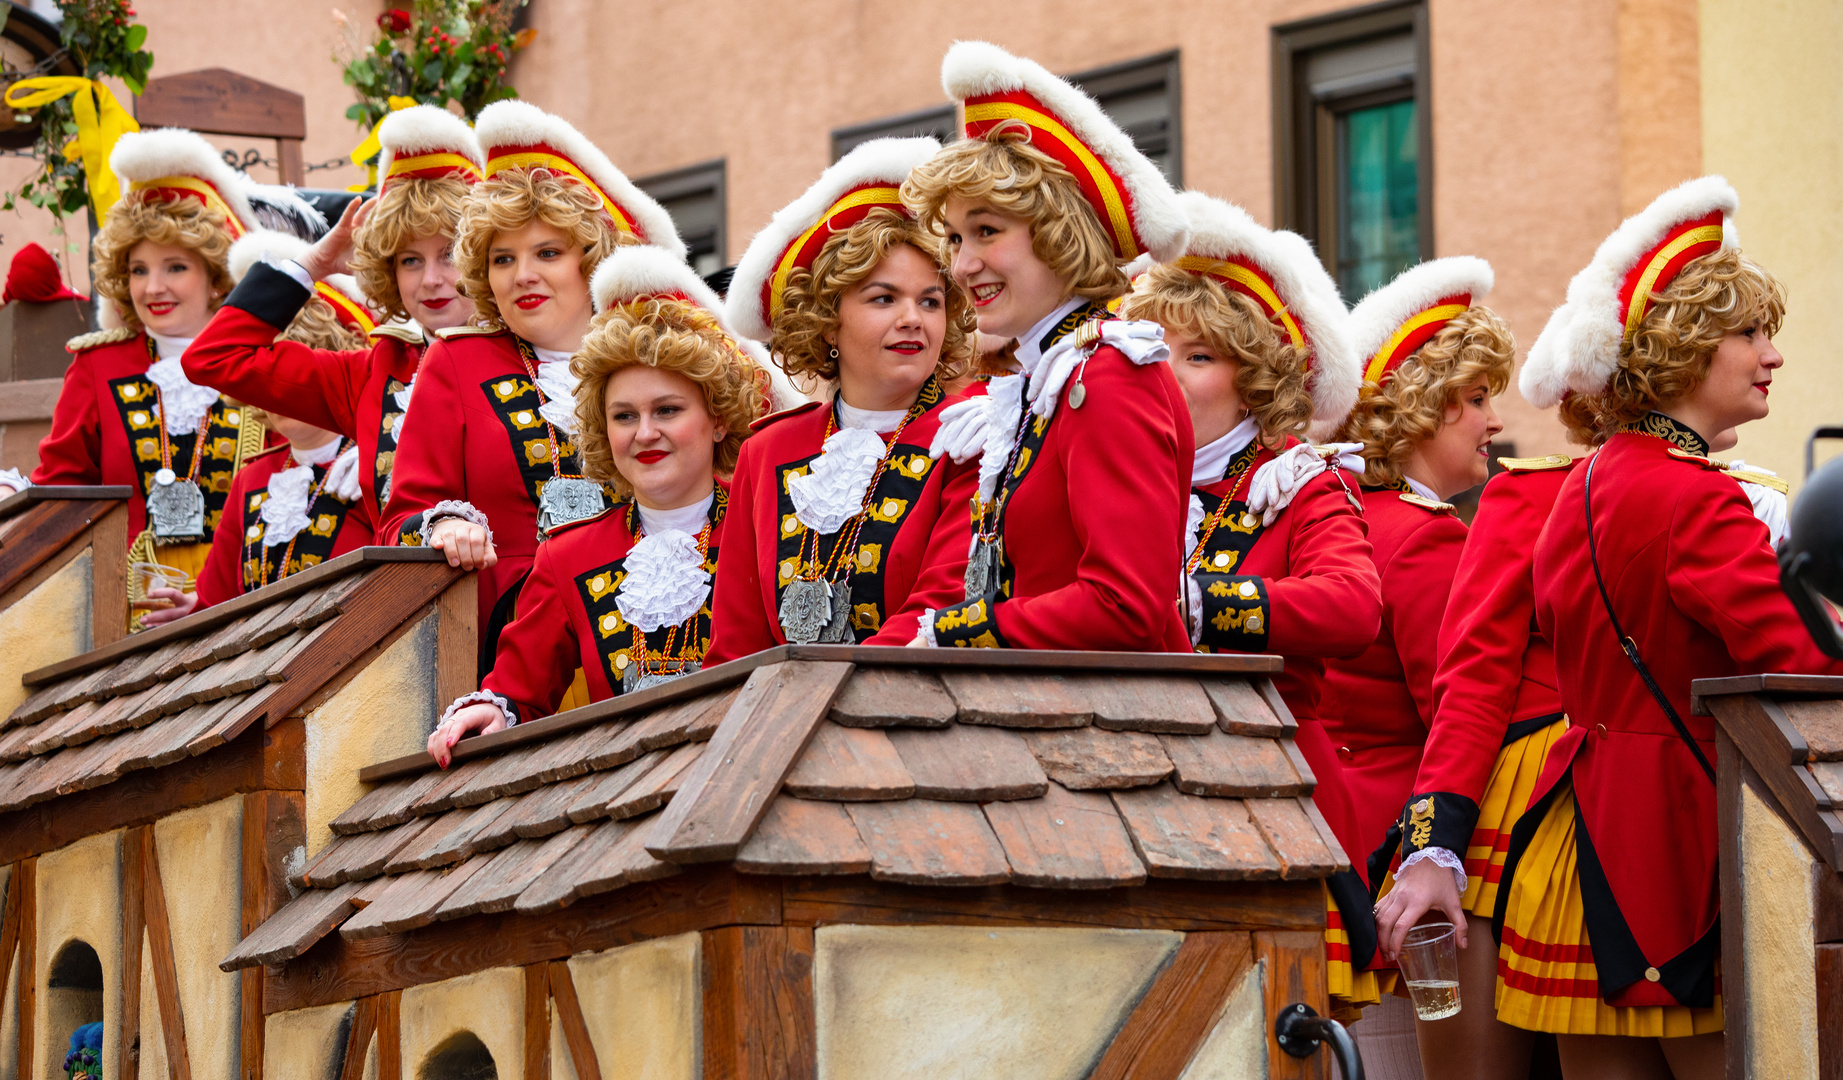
[
  {"x": 982, "y": 569},
  {"x": 838, "y": 628},
  {"x": 175, "y": 509},
  {"x": 806, "y": 609},
  {"x": 566, "y": 499},
  {"x": 633, "y": 679}
]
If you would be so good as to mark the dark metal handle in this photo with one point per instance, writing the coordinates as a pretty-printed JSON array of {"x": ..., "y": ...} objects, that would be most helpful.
[
  {"x": 1811, "y": 445},
  {"x": 1809, "y": 605},
  {"x": 1300, "y": 1030}
]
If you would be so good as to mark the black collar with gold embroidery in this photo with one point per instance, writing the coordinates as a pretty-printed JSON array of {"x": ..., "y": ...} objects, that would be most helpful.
[
  {"x": 1065, "y": 326},
  {"x": 1658, "y": 425}
]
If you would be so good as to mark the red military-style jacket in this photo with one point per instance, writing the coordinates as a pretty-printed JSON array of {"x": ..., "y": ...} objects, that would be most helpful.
[
  {"x": 1693, "y": 580},
  {"x": 921, "y": 506},
  {"x": 240, "y": 562},
  {"x": 568, "y": 617},
  {"x": 1093, "y": 536},
  {"x": 105, "y": 429},
  {"x": 475, "y": 435},
  {"x": 1378, "y": 705},
  {"x": 353, "y": 393},
  {"x": 1495, "y": 682}
]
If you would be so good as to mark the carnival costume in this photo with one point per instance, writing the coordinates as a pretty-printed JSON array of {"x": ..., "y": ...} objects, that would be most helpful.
[
  {"x": 360, "y": 394},
  {"x": 1609, "y": 907},
  {"x": 1086, "y": 453},
  {"x": 837, "y": 508}
]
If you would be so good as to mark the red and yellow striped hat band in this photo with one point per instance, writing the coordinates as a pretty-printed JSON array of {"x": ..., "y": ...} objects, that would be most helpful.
[
  {"x": 350, "y": 312},
  {"x": 1412, "y": 334},
  {"x": 174, "y": 188},
  {"x": 542, "y": 156},
  {"x": 850, "y": 208},
  {"x": 1243, "y": 276},
  {"x": 1660, "y": 266},
  {"x": 1100, "y": 185},
  {"x": 431, "y": 166}
]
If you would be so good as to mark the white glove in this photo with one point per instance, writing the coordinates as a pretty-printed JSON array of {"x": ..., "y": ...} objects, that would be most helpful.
[
  {"x": 11, "y": 481},
  {"x": 342, "y": 479},
  {"x": 962, "y": 433},
  {"x": 1276, "y": 482},
  {"x": 1142, "y": 342},
  {"x": 1769, "y": 504}
]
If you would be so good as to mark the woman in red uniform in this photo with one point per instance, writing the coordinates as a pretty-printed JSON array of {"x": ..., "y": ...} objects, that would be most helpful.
[
  {"x": 836, "y": 505},
  {"x": 489, "y": 461},
  {"x": 127, "y": 413},
  {"x": 1085, "y": 476},
  {"x": 1277, "y": 560},
  {"x": 399, "y": 245},
  {"x": 1608, "y": 905},
  {"x": 665, "y": 399}
]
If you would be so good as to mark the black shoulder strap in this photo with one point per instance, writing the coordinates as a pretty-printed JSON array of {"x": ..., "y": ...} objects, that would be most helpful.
[{"x": 1626, "y": 644}]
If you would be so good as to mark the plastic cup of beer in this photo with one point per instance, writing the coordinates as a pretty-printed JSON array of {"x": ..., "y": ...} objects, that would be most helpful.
[
  {"x": 1430, "y": 962},
  {"x": 152, "y": 575}
]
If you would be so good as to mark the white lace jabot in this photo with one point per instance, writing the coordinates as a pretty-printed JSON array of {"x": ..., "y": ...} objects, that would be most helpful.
[
  {"x": 558, "y": 384},
  {"x": 284, "y": 511},
  {"x": 831, "y": 492},
  {"x": 666, "y": 582},
  {"x": 183, "y": 402}
]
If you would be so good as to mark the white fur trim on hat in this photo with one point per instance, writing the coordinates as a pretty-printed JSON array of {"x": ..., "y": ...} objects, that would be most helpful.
[
  {"x": 141, "y": 156},
  {"x": 877, "y": 161},
  {"x": 425, "y": 129},
  {"x": 1374, "y": 321},
  {"x": 973, "y": 68},
  {"x": 1222, "y": 230},
  {"x": 1579, "y": 348},
  {"x": 520, "y": 123},
  {"x": 260, "y": 245}
]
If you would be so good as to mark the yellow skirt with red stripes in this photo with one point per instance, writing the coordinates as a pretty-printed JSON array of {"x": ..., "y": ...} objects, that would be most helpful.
[
  {"x": 1546, "y": 979},
  {"x": 1507, "y": 793},
  {"x": 1350, "y": 989}
]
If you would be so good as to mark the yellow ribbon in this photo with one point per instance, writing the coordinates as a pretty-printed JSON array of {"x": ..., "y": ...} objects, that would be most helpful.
[
  {"x": 367, "y": 152},
  {"x": 101, "y": 121}
]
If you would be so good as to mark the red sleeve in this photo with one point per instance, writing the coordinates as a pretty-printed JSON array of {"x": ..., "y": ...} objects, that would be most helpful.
[
  {"x": 538, "y": 652},
  {"x": 1126, "y": 455},
  {"x": 1415, "y": 587},
  {"x": 1330, "y": 601},
  {"x": 72, "y": 453},
  {"x": 739, "y": 622},
  {"x": 221, "y": 578},
  {"x": 429, "y": 465},
  {"x": 942, "y": 580},
  {"x": 237, "y": 354}
]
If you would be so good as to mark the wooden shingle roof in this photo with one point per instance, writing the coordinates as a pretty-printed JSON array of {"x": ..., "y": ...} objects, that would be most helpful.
[
  {"x": 1789, "y": 728},
  {"x": 1063, "y": 771}
]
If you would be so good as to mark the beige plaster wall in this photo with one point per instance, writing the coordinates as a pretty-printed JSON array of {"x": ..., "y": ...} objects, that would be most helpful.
[
  {"x": 491, "y": 1004},
  {"x": 377, "y": 715},
  {"x": 9, "y": 1001},
  {"x": 79, "y": 898},
  {"x": 1236, "y": 1047},
  {"x": 945, "y": 1002},
  {"x": 1778, "y": 911},
  {"x": 304, "y": 1044},
  {"x": 1772, "y": 123},
  {"x": 201, "y": 872},
  {"x": 642, "y": 1004},
  {"x": 46, "y": 625}
]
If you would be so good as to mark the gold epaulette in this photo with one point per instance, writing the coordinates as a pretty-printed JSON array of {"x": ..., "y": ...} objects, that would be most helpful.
[
  {"x": 1534, "y": 464},
  {"x": 400, "y": 332},
  {"x": 100, "y": 337},
  {"x": 777, "y": 417},
  {"x": 1765, "y": 480},
  {"x": 468, "y": 331},
  {"x": 1698, "y": 459},
  {"x": 1430, "y": 505}
]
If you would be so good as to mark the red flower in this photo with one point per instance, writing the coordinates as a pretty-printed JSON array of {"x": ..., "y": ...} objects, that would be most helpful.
[{"x": 394, "y": 20}]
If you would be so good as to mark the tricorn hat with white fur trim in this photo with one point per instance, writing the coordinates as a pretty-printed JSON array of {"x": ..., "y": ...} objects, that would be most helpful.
[
  {"x": 1396, "y": 319},
  {"x": 868, "y": 178},
  {"x": 173, "y": 163},
  {"x": 1578, "y": 350},
  {"x": 1136, "y": 206},
  {"x": 1280, "y": 272},
  {"x": 423, "y": 142},
  {"x": 634, "y": 274},
  {"x": 516, "y": 134},
  {"x": 349, "y": 302}
]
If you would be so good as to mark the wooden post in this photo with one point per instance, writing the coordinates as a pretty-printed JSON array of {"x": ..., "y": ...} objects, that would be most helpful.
[
  {"x": 1174, "y": 1017},
  {"x": 575, "y": 1027},
  {"x": 274, "y": 822},
  {"x": 25, "y": 877},
  {"x": 758, "y": 1003},
  {"x": 134, "y": 932},
  {"x": 537, "y": 1021},
  {"x": 457, "y": 650},
  {"x": 364, "y": 1025},
  {"x": 109, "y": 577},
  {"x": 166, "y": 972},
  {"x": 1295, "y": 972},
  {"x": 390, "y": 1035},
  {"x": 1730, "y": 773}
]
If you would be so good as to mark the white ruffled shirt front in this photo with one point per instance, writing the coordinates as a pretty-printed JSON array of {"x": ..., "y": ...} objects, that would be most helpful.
[
  {"x": 666, "y": 582},
  {"x": 831, "y": 492},
  {"x": 558, "y": 384},
  {"x": 290, "y": 492},
  {"x": 183, "y": 403}
]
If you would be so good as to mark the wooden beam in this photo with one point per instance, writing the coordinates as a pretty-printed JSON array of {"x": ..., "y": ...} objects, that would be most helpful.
[
  {"x": 9, "y": 925},
  {"x": 390, "y": 1035},
  {"x": 457, "y": 648},
  {"x": 288, "y": 162},
  {"x": 25, "y": 878},
  {"x": 358, "y": 1039},
  {"x": 1176, "y": 1014},
  {"x": 1295, "y": 972},
  {"x": 134, "y": 934},
  {"x": 222, "y": 102},
  {"x": 1829, "y": 1013},
  {"x": 1730, "y": 774},
  {"x": 758, "y": 1003},
  {"x": 109, "y": 577},
  {"x": 575, "y": 1028},
  {"x": 166, "y": 971},
  {"x": 1760, "y": 732},
  {"x": 41, "y": 533},
  {"x": 537, "y": 1021},
  {"x": 274, "y": 823},
  {"x": 1160, "y": 904}
]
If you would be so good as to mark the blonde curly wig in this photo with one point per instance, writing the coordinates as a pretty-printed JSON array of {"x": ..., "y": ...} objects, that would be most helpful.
[
  {"x": 513, "y": 199},
  {"x": 809, "y": 308},
  {"x": 1410, "y": 406},
  {"x": 407, "y": 211},
  {"x": 1003, "y": 171},
  {"x": 1669, "y": 355},
  {"x": 1275, "y": 380},
  {"x": 318, "y": 327},
  {"x": 185, "y": 223},
  {"x": 670, "y": 335}
]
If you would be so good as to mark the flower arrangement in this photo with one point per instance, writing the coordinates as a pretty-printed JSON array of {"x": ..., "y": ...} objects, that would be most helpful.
[{"x": 434, "y": 52}]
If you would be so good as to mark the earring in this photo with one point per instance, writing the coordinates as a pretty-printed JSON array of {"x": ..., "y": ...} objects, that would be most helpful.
[{"x": 833, "y": 355}]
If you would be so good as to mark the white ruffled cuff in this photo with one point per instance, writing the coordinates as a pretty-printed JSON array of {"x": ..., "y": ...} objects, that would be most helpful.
[
  {"x": 832, "y": 490},
  {"x": 1439, "y": 856},
  {"x": 481, "y": 697},
  {"x": 924, "y": 630},
  {"x": 454, "y": 508},
  {"x": 666, "y": 582},
  {"x": 15, "y": 479},
  {"x": 1194, "y": 604}
]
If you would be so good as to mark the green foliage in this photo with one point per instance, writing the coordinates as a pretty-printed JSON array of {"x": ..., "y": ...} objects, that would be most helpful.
[{"x": 435, "y": 51}]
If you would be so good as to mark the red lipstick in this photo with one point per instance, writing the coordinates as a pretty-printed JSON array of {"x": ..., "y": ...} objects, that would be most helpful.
[
  {"x": 650, "y": 457},
  {"x": 530, "y": 302}
]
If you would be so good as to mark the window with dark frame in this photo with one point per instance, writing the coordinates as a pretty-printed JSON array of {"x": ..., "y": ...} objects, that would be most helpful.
[
  {"x": 694, "y": 196},
  {"x": 1353, "y": 140},
  {"x": 940, "y": 123}
]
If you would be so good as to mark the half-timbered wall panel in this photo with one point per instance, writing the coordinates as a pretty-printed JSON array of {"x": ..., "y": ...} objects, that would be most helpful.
[
  {"x": 79, "y": 899},
  {"x": 1778, "y": 953},
  {"x": 641, "y": 1005},
  {"x": 489, "y": 1004},
  {"x": 48, "y": 623}
]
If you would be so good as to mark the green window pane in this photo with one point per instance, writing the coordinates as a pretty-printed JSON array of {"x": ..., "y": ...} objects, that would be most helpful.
[{"x": 1378, "y": 212}]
